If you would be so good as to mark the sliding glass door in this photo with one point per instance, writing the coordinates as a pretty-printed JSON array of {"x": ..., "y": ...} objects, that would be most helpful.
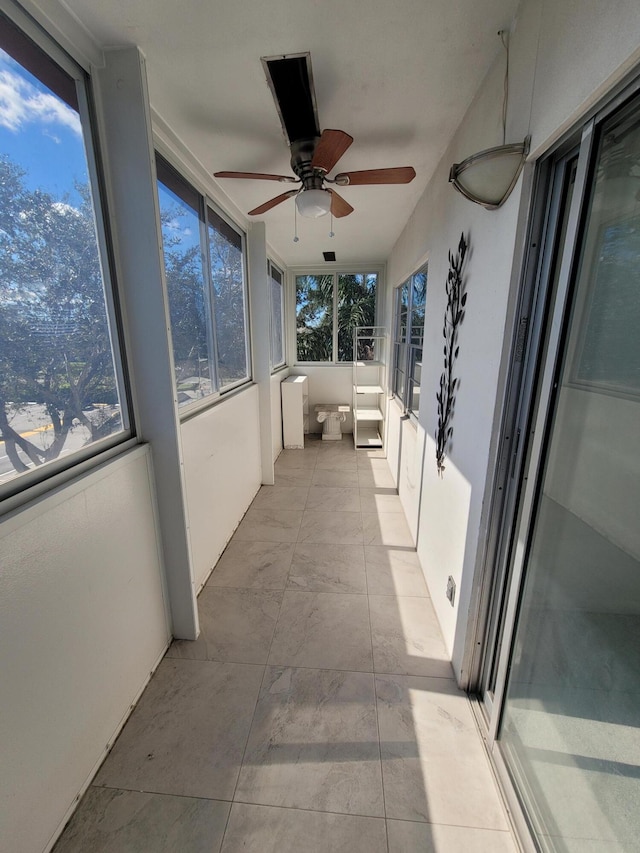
[{"x": 562, "y": 672}]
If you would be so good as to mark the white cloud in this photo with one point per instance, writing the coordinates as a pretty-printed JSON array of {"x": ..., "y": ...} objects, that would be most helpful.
[
  {"x": 65, "y": 209},
  {"x": 21, "y": 103},
  {"x": 52, "y": 136}
]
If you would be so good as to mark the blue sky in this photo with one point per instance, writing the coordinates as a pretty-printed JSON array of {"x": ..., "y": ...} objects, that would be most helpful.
[{"x": 40, "y": 132}]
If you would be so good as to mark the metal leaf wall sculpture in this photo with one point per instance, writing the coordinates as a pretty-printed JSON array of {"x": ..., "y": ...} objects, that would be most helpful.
[{"x": 453, "y": 316}]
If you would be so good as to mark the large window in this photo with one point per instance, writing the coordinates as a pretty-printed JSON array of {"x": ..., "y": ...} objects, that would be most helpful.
[
  {"x": 328, "y": 308},
  {"x": 207, "y": 304},
  {"x": 59, "y": 391},
  {"x": 277, "y": 316},
  {"x": 187, "y": 287},
  {"x": 226, "y": 258},
  {"x": 407, "y": 340}
]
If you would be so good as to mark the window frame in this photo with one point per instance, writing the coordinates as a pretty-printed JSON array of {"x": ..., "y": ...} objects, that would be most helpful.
[
  {"x": 58, "y": 471},
  {"x": 403, "y": 361},
  {"x": 283, "y": 336},
  {"x": 248, "y": 377},
  {"x": 206, "y": 204},
  {"x": 358, "y": 269}
]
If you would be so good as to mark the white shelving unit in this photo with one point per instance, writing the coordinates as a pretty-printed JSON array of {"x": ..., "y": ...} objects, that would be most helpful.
[
  {"x": 295, "y": 411},
  {"x": 369, "y": 381}
]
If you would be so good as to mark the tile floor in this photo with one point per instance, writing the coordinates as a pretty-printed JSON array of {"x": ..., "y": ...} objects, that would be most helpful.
[{"x": 317, "y": 711}]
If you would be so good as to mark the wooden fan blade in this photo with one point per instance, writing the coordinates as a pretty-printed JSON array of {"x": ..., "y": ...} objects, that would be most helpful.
[
  {"x": 272, "y": 203},
  {"x": 339, "y": 207},
  {"x": 258, "y": 175},
  {"x": 399, "y": 175},
  {"x": 332, "y": 145}
]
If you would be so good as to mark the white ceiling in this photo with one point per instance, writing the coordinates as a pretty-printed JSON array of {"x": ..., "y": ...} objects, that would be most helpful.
[{"x": 397, "y": 75}]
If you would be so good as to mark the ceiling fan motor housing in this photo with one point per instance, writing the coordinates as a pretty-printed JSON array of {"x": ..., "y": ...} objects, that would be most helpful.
[{"x": 302, "y": 151}]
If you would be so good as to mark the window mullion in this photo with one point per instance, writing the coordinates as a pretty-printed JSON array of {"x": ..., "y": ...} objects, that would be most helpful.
[
  {"x": 210, "y": 299},
  {"x": 105, "y": 258},
  {"x": 335, "y": 319}
]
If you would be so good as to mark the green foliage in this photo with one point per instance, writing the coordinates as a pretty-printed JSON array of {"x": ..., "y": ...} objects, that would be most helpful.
[
  {"x": 314, "y": 313},
  {"x": 356, "y": 307},
  {"x": 54, "y": 337},
  {"x": 229, "y": 312},
  {"x": 314, "y": 317}
]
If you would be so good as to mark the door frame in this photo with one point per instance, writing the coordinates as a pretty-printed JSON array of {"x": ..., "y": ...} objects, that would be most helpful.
[{"x": 533, "y": 357}]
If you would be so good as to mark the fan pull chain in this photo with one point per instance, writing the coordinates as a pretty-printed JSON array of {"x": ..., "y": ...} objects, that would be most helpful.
[
  {"x": 296, "y": 239},
  {"x": 331, "y": 232}
]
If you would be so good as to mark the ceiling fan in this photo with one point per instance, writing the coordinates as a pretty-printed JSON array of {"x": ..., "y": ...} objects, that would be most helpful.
[{"x": 313, "y": 154}]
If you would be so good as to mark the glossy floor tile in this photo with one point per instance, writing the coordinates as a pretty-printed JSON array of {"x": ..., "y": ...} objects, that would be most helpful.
[
  {"x": 262, "y": 829},
  {"x": 324, "y": 630},
  {"x": 236, "y": 625},
  {"x": 314, "y": 743},
  {"x": 269, "y": 525},
  {"x": 335, "y": 478},
  {"x": 328, "y": 568},
  {"x": 332, "y": 499},
  {"x": 317, "y": 711},
  {"x": 341, "y": 528},
  {"x": 388, "y": 529},
  {"x": 187, "y": 734},
  {"x": 281, "y": 497},
  {"x": 409, "y": 837},
  {"x": 380, "y": 500},
  {"x": 433, "y": 763},
  {"x": 253, "y": 565},
  {"x": 114, "y": 821},
  {"x": 394, "y": 571},
  {"x": 406, "y": 637}
]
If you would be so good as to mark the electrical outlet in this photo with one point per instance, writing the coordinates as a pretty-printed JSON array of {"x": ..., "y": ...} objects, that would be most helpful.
[{"x": 451, "y": 590}]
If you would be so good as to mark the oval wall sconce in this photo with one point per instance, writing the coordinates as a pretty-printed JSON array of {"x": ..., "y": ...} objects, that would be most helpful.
[{"x": 488, "y": 177}]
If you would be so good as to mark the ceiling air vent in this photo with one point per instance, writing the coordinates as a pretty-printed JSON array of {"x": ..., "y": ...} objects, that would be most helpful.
[
  {"x": 329, "y": 256},
  {"x": 291, "y": 83}
]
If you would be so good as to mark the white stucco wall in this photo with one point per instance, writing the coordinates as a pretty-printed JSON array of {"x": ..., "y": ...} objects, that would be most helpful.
[
  {"x": 564, "y": 56},
  {"x": 221, "y": 452},
  {"x": 82, "y": 624},
  {"x": 411, "y": 464},
  {"x": 276, "y": 412}
]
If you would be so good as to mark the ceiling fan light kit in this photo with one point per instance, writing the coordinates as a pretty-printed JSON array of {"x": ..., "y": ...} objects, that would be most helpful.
[
  {"x": 313, "y": 203},
  {"x": 313, "y": 154}
]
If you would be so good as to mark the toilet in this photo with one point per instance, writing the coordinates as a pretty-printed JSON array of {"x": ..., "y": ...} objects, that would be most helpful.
[{"x": 331, "y": 415}]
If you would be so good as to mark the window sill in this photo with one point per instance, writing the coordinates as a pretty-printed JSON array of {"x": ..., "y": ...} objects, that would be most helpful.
[
  {"x": 28, "y": 492},
  {"x": 201, "y": 406}
]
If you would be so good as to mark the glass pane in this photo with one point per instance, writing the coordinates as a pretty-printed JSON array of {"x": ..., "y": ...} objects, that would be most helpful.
[
  {"x": 277, "y": 347},
  {"x": 607, "y": 355},
  {"x": 554, "y": 239},
  {"x": 188, "y": 298},
  {"x": 314, "y": 317},
  {"x": 403, "y": 312},
  {"x": 572, "y": 711},
  {"x": 418, "y": 302},
  {"x": 415, "y": 377},
  {"x": 227, "y": 277},
  {"x": 58, "y": 390},
  {"x": 400, "y": 355},
  {"x": 356, "y": 307}
]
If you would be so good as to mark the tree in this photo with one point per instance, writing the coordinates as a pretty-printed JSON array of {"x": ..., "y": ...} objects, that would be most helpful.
[
  {"x": 229, "y": 310},
  {"x": 55, "y": 348},
  {"x": 314, "y": 317},
  {"x": 314, "y": 314},
  {"x": 356, "y": 307}
]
